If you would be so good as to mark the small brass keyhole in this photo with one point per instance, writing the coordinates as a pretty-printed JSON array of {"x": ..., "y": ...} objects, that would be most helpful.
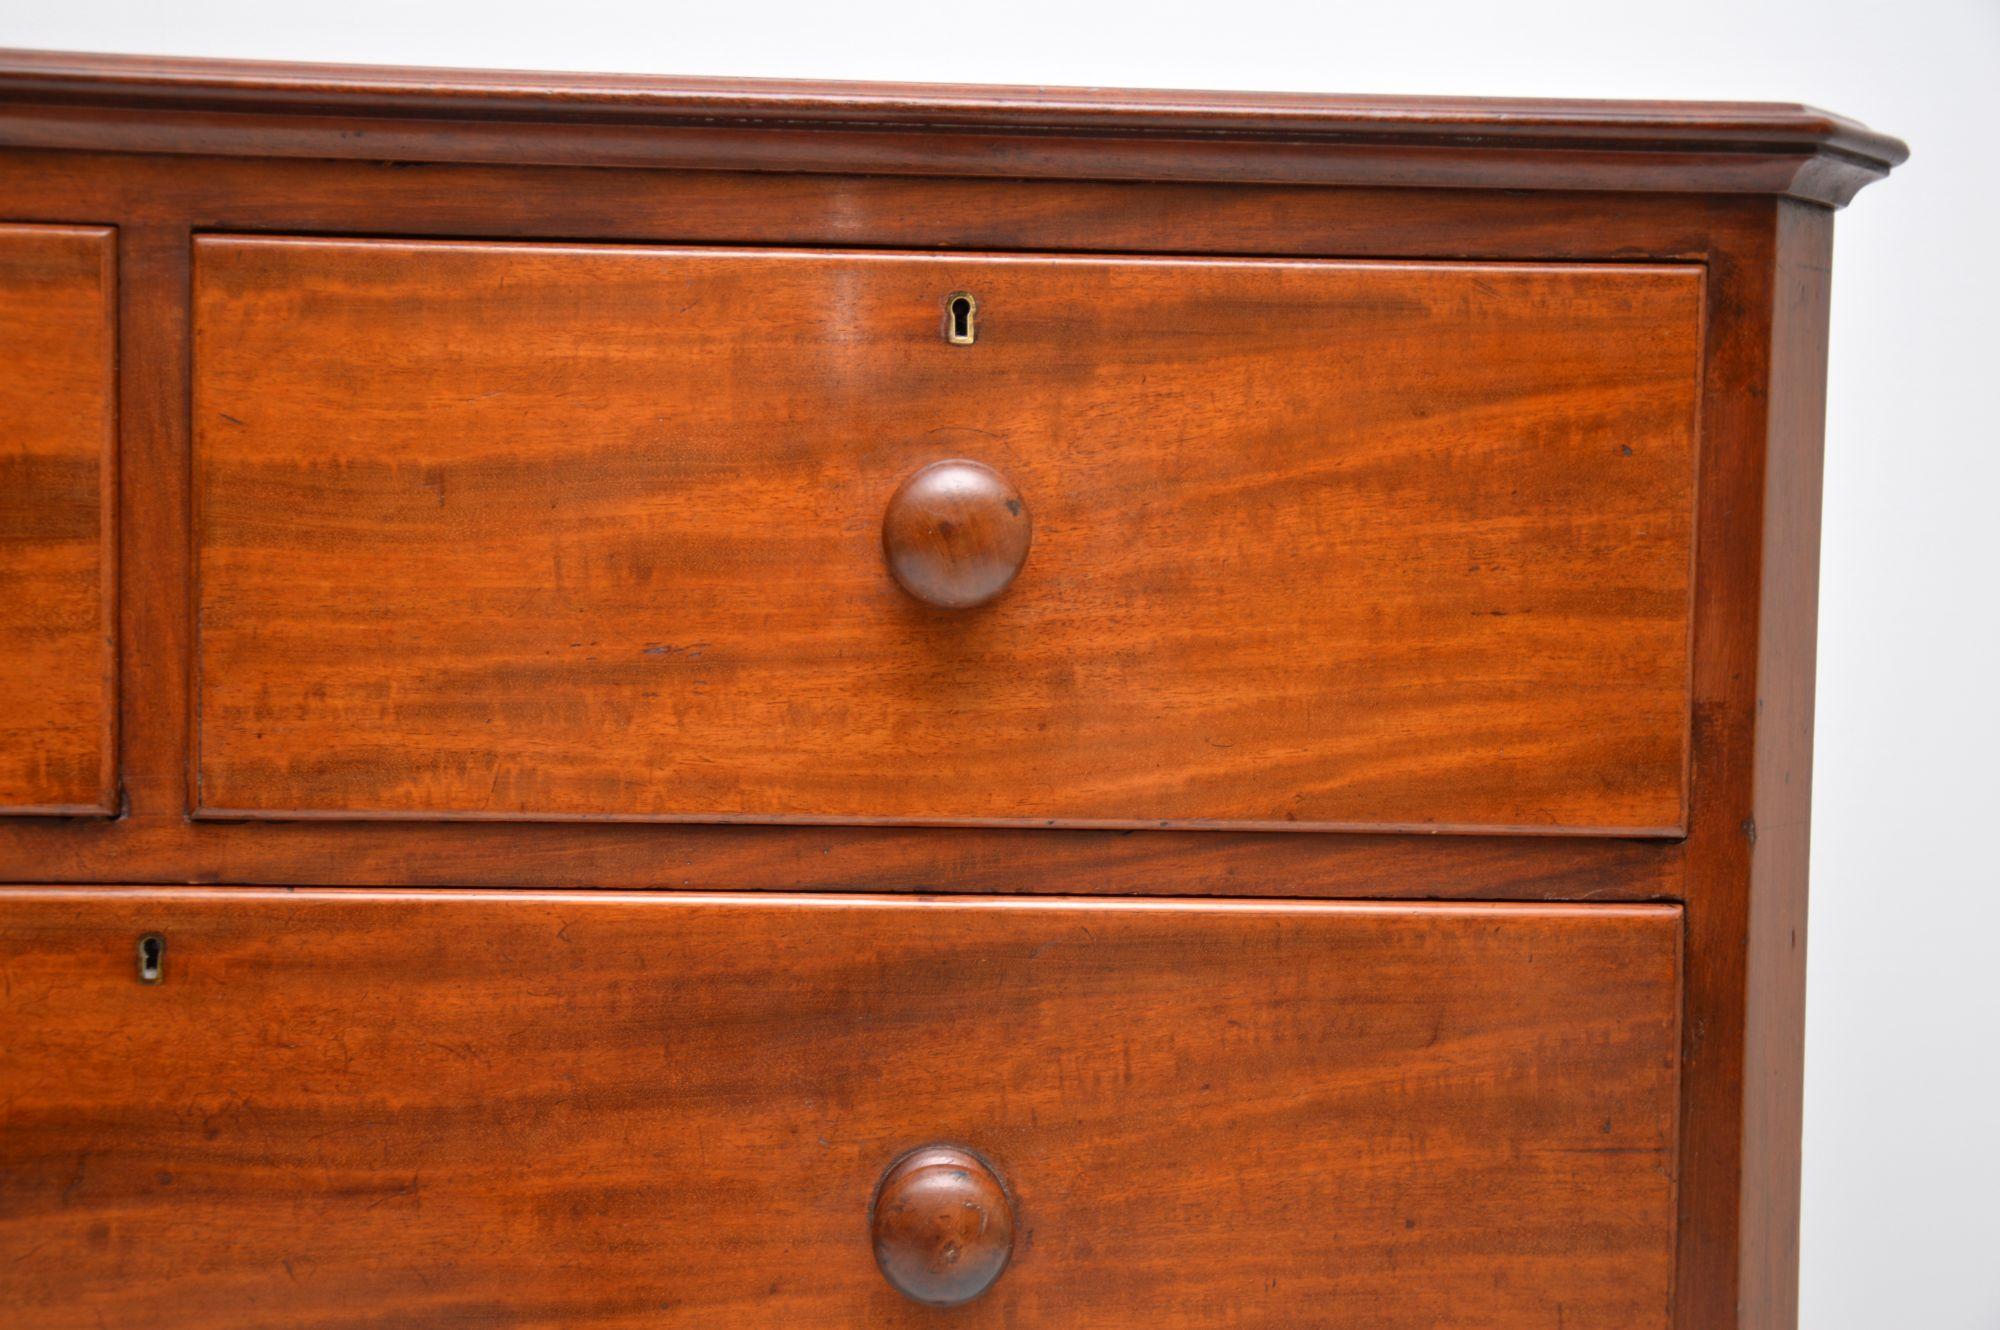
[
  {"x": 960, "y": 312},
  {"x": 152, "y": 955}
]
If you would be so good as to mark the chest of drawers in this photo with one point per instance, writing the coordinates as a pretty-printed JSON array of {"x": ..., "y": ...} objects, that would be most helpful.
[{"x": 641, "y": 703}]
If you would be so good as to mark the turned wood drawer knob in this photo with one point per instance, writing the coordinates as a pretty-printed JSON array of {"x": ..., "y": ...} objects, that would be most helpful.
[
  {"x": 956, "y": 533},
  {"x": 943, "y": 1226}
]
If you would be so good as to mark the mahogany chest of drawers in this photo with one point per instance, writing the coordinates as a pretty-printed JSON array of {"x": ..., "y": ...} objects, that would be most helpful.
[{"x": 663, "y": 704}]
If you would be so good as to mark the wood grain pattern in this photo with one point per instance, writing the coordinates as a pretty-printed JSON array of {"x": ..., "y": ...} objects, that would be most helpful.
[
  {"x": 555, "y": 531},
  {"x": 1743, "y": 1059},
  {"x": 732, "y": 857},
  {"x": 1779, "y": 829},
  {"x": 394, "y": 152},
  {"x": 346, "y": 1109},
  {"x": 157, "y": 200},
  {"x": 108, "y": 102},
  {"x": 57, "y": 414},
  {"x": 155, "y": 632},
  {"x": 739, "y": 207}
]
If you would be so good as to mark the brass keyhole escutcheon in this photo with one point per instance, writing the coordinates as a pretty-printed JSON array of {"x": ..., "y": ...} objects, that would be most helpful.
[
  {"x": 152, "y": 958},
  {"x": 961, "y": 314}
]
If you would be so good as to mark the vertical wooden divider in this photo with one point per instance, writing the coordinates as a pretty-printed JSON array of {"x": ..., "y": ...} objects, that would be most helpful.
[{"x": 155, "y": 567}]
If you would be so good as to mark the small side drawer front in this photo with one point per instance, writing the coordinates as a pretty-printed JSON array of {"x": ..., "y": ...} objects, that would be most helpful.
[
  {"x": 57, "y": 416},
  {"x": 592, "y": 531},
  {"x": 357, "y": 1108}
]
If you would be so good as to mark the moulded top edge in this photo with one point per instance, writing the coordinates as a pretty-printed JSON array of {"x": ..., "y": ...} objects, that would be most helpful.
[{"x": 1688, "y": 131}]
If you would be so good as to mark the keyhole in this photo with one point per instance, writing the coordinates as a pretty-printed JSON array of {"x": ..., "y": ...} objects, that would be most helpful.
[
  {"x": 152, "y": 948},
  {"x": 959, "y": 329}
]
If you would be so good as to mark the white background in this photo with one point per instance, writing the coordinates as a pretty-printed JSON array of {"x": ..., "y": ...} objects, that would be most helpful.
[{"x": 1902, "y": 1135}]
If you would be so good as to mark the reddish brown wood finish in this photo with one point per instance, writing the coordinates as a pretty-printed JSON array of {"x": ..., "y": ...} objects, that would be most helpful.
[
  {"x": 942, "y": 1225},
  {"x": 956, "y": 534},
  {"x": 1749, "y": 834},
  {"x": 1779, "y": 825},
  {"x": 559, "y": 531},
  {"x": 1689, "y": 186},
  {"x": 149, "y": 104},
  {"x": 596, "y": 1110},
  {"x": 58, "y": 675}
]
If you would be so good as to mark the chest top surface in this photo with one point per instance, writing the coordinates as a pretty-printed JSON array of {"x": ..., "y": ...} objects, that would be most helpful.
[{"x": 51, "y": 99}]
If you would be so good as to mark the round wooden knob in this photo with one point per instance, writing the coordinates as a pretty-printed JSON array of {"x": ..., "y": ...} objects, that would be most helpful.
[
  {"x": 944, "y": 1227},
  {"x": 955, "y": 534}
]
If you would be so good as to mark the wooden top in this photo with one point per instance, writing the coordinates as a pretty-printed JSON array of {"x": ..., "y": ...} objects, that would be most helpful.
[{"x": 54, "y": 99}]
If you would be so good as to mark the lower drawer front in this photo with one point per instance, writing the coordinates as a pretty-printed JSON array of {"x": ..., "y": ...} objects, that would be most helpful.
[{"x": 581, "y": 1109}]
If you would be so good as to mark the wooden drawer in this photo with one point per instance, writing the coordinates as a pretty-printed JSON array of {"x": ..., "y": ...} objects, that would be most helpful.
[
  {"x": 57, "y": 670},
  {"x": 587, "y": 1109},
  {"x": 585, "y": 531}
]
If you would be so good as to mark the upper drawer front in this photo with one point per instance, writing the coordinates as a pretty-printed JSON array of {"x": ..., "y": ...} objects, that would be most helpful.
[
  {"x": 57, "y": 702},
  {"x": 574, "y": 531},
  {"x": 345, "y": 1109}
]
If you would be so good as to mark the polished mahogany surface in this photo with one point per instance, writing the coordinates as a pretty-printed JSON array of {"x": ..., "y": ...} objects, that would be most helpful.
[
  {"x": 390, "y": 447},
  {"x": 152, "y": 104},
  {"x": 956, "y": 533},
  {"x": 57, "y": 412},
  {"x": 943, "y": 1225},
  {"x": 568, "y": 531},
  {"x": 580, "y": 1110}
]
